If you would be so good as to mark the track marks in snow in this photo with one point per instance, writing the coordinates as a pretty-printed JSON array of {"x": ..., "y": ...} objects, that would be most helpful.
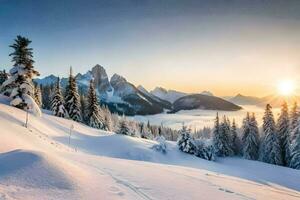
[{"x": 123, "y": 183}]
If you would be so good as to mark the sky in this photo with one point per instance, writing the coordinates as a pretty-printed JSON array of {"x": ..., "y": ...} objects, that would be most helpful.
[{"x": 226, "y": 47}]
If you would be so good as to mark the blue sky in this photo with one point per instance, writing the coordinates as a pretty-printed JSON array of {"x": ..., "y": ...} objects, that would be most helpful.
[{"x": 222, "y": 46}]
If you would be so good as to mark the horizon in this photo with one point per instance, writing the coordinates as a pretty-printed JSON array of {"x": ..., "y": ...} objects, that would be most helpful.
[{"x": 225, "y": 48}]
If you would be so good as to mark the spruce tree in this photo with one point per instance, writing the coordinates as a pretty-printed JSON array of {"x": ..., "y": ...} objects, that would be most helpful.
[
  {"x": 19, "y": 86},
  {"x": 84, "y": 108},
  {"x": 57, "y": 102},
  {"x": 94, "y": 117},
  {"x": 107, "y": 118},
  {"x": 284, "y": 133},
  {"x": 123, "y": 128},
  {"x": 186, "y": 142},
  {"x": 235, "y": 139},
  {"x": 250, "y": 138},
  {"x": 72, "y": 99},
  {"x": 294, "y": 117},
  {"x": 295, "y": 151},
  {"x": 38, "y": 95},
  {"x": 221, "y": 138},
  {"x": 272, "y": 152}
]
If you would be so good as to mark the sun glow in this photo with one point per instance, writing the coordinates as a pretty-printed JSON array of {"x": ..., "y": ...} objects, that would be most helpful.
[{"x": 286, "y": 87}]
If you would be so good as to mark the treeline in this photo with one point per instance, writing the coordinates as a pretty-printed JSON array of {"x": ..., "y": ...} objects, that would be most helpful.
[
  {"x": 277, "y": 143},
  {"x": 67, "y": 102}
]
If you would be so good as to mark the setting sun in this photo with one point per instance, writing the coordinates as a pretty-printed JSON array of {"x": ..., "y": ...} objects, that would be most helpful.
[{"x": 286, "y": 87}]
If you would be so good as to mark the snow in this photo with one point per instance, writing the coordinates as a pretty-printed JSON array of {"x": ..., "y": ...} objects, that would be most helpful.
[{"x": 39, "y": 163}]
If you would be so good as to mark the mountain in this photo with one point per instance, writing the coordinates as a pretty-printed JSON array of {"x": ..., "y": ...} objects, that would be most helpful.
[
  {"x": 208, "y": 93},
  {"x": 168, "y": 95},
  {"x": 274, "y": 100},
  {"x": 205, "y": 102},
  {"x": 133, "y": 101},
  {"x": 245, "y": 100},
  {"x": 117, "y": 93},
  {"x": 48, "y": 80},
  {"x": 166, "y": 104}
]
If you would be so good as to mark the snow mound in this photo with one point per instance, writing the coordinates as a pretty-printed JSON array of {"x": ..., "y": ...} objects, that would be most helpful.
[{"x": 32, "y": 169}]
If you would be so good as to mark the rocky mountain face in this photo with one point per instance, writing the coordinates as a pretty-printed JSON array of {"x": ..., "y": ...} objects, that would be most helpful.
[{"x": 120, "y": 95}]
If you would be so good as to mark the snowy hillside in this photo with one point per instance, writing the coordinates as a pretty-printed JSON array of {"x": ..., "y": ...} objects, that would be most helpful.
[{"x": 39, "y": 163}]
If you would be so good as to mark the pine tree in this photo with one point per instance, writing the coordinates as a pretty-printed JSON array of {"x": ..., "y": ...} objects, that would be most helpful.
[
  {"x": 93, "y": 112},
  {"x": 38, "y": 95},
  {"x": 84, "y": 108},
  {"x": 250, "y": 138},
  {"x": 57, "y": 102},
  {"x": 295, "y": 151},
  {"x": 271, "y": 144},
  {"x": 123, "y": 128},
  {"x": 235, "y": 139},
  {"x": 19, "y": 86},
  {"x": 3, "y": 77},
  {"x": 221, "y": 138},
  {"x": 185, "y": 141},
  {"x": 72, "y": 99},
  {"x": 284, "y": 133},
  {"x": 107, "y": 118},
  {"x": 294, "y": 117}
]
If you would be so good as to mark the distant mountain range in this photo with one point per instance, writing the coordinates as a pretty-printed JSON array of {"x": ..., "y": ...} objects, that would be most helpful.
[
  {"x": 204, "y": 102},
  {"x": 125, "y": 98},
  {"x": 274, "y": 100}
]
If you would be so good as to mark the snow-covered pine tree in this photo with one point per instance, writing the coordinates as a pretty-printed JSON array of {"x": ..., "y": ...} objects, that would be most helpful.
[
  {"x": 295, "y": 151},
  {"x": 123, "y": 127},
  {"x": 236, "y": 143},
  {"x": 294, "y": 117},
  {"x": 107, "y": 118},
  {"x": 72, "y": 99},
  {"x": 47, "y": 94},
  {"x": 284, "y": 133},
  {"x": 250, "y": 138},
  {"x": 205, "y": 149},
  {"x": 186, "y": 142},
  {"x": 38, "y": 95},
  {"x": 84, "y": 108},
  {"x": 95, "y": 119},
  {"x": 161, "y": 146},
  {"x": 19, "y": 86},
  {"x": 222, "y": 138},
  {"x": 271, "y": 152},
  {"x": 57, "y": 102},
  {"x": 3, "y": 76}
]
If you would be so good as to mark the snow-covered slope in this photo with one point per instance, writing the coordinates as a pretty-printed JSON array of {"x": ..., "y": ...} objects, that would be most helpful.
[{"x": 39, "y": 163}]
